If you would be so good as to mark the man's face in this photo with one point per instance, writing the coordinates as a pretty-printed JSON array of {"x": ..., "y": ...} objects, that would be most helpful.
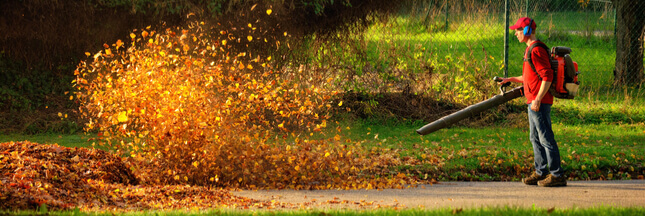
[{"x": 519, "y": 33}]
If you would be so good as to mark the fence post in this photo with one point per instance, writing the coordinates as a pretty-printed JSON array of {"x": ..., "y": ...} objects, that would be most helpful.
[
  {"x": 526, "y": 9},
  {"x": 446, "y": 11},
  {"x": 506, "y": 12},
  {"x": 614, "y": 20}
]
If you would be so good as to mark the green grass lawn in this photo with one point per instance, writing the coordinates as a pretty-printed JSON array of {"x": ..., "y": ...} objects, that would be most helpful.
[
  {"x": 67, "y": 140},
  {"x": 589, "y": 151},
  {"x": 485, "y": 38}
]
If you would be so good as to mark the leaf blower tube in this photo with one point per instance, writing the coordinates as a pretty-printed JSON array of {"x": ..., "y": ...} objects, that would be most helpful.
[{"x": 473, "y": 109}]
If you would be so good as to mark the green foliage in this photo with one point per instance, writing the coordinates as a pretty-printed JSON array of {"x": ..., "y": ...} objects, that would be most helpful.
[
  {"x": 22, "y": 89},
  {"x": 214, "y": 7},
  {"x": 30, "y": 99}
]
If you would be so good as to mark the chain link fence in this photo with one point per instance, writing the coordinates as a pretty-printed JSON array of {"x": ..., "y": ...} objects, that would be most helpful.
[{"x": 591, "y": 28}]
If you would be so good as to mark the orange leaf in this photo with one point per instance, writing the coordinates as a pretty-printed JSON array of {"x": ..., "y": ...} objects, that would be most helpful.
[{"x": 119, "y": 43}]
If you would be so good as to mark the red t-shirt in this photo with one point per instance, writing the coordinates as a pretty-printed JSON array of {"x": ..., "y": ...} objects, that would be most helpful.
[{"x": 532, "y": 82}]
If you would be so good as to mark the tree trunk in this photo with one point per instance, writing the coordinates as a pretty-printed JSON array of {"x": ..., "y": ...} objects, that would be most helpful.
[{"x": 630, "y": 28}]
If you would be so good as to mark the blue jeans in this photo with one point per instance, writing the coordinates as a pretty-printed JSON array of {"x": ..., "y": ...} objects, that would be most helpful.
[{"x": 545, "y": 148}]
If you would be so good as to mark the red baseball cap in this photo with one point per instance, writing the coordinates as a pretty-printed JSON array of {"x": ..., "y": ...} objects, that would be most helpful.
[{"x": 523, "y": 22}]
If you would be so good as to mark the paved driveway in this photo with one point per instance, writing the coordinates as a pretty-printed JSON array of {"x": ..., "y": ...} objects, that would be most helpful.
[{"x": 466, "y": 195}]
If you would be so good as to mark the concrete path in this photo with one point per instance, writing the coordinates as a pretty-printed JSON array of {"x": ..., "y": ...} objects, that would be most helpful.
[{"x": 466, "y": 195}]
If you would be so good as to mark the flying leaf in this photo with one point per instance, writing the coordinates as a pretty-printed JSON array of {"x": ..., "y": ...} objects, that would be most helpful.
[
  {"x": 269, "y": 11},
  {"x": 119, "y": 43},
  {"x": 123, "y": 117}
]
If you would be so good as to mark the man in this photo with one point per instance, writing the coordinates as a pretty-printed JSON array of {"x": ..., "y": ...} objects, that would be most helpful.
[{"x": 536, "y": 84}]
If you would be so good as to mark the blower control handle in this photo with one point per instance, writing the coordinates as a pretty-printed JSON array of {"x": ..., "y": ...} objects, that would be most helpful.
[{"x": 503, "y": 87}]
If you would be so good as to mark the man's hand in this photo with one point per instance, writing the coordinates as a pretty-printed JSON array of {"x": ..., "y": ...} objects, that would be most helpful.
[
  {"x": 503, "y": 81},
  {"x": 535, "y": 105}
]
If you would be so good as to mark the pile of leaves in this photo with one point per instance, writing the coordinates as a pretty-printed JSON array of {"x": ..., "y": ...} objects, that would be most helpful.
[{"x": 34, "y": 174}]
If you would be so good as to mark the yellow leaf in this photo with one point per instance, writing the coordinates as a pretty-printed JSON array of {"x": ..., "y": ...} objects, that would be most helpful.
[
  {"x": 250, "y": 38},
  {"x": 123, "y": 117},
  {"x": 132, "y": 35},
  {"x": 224, "y": 42},
  {"x": 88, "y": 54},
  {"x": 327, "y": 154},
  {"x": 340, "y": 104},
  {"x": 60, "y": 115},
  {"x": 269, "y": 11}
]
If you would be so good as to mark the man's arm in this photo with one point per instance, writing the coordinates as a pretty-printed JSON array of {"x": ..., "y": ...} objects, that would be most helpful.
[
  {"x": 544, "y": 88},
  {"x": 518, "y": 79}
]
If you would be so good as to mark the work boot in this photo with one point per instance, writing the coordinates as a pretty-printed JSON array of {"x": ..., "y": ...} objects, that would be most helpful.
[
  {"x": 552, "y": 181},
  {"x": 533, "y": 179}
]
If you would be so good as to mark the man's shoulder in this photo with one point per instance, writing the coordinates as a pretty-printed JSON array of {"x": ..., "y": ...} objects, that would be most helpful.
[
  {"x": 538, "y": 44},
  {"x": 541, "y": 48}
]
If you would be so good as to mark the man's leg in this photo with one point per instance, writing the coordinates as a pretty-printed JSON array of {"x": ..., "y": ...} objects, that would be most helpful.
[
  {"x": 547, "y": 140},
  {"x": 539, "y": 153}
]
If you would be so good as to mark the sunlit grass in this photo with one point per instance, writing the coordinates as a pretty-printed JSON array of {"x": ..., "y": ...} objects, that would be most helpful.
[
  {"x": 594, "y": 54},
  {"x": 67, "y": 140},
  {"x": 504, "y": 152}
]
